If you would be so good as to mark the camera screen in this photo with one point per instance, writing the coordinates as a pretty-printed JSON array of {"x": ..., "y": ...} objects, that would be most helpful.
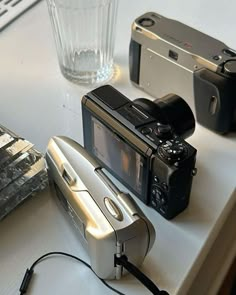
[{"x": 117, "y": 155}]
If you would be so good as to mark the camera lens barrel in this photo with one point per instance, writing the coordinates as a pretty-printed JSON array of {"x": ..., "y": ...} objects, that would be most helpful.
[
  {"x": 177, "y": 113},
  {"x": 172, "y": 110}
]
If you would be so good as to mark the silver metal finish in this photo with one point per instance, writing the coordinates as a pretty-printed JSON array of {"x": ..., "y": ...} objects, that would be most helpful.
[
  {"x": 104, "y": 216},
  {"x": 169, "y": 46},
  {"x": 113, "y": 209}
]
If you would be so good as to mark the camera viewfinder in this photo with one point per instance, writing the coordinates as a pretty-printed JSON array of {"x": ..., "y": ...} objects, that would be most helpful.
[{"x": 174, "y": 55}]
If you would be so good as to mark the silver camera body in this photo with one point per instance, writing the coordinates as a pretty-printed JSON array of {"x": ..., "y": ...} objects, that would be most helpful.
[
  {"x": 109, "y": 222},
  {"x": 167, "y": 56}
]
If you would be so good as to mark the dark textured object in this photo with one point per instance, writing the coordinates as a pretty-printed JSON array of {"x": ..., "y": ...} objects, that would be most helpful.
[
  {"x": 22, "y": 171},
  {"x": 228, "y": 286}
]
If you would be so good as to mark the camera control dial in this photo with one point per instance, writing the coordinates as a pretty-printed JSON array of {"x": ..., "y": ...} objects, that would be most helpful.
[
  {"x": 146, "y": 22},
  {"x": 230, "y": 68},
  {"x": 158, "y": 197},
  {"x": 172, "y": 150}
]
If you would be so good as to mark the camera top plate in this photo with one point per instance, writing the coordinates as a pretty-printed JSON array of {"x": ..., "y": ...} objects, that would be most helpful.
[{"x": 189, "y": 47}]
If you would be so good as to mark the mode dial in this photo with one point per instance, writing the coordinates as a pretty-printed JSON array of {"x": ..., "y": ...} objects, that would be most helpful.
[
  {"x": 172, "y": 150},
  {"x": 230, "y": 68}
]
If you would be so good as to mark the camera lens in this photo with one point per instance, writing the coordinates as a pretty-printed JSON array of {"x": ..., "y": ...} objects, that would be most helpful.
[
  {"x": 177, "y": 114},
  {"x": 172, "y": 111},
  {"x": 146, "y": 22}
]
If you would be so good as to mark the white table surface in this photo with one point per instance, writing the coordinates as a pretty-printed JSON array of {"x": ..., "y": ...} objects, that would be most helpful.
[{"x": 37, "y": 102}]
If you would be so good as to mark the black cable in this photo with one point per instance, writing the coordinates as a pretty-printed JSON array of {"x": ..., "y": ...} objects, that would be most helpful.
[
  {"x": 233, "y": 291},
  {"x": 29, "y": 272},
  {"x": 123, "y": 261}
]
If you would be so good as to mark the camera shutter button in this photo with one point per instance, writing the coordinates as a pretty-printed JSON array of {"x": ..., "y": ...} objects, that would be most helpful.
[
  {"x": 146, "y": 22},
  {"x": 230, "y": 68},
  {"x": 162, "y": 130}
]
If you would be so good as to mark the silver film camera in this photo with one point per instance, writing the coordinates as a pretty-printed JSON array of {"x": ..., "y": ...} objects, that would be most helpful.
[
  {"x": 167, "y": 56},
  {"x": 108, "y": 221}
]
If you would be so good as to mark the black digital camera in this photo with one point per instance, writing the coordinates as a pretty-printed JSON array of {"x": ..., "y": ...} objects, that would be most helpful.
[
  {"x": 142, "y": 144},
  {"x": 201, "y": 69}
]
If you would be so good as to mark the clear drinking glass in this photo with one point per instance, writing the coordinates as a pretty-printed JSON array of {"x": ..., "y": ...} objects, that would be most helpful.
[{"x": 84, "y": 33}]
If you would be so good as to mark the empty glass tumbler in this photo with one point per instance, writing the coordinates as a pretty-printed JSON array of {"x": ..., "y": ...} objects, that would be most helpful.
[{"x": 84, "y": 33}]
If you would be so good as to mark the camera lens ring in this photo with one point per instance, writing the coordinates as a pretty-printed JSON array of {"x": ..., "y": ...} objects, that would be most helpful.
[{"x": 146, "y": 22}]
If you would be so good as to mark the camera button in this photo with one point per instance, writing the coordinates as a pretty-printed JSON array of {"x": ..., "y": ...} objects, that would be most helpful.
[
  {"x": 146, "y": 130},
  {"x": 160, "y": 199},
  {"x": 217, "y": 57},
  {"x": 154, "y": 204},
  {"x": 68, "y": 174},
  {"x": 154, "y": 191},
  {"x": 162, "y": 130},
  {"x": 158, "y": 196},
  {"x": 230, "y": 68},
  {"x": 165, "y": 186},
  {"x": 146, "y": 22},
  {"x": 156, "y": 179},
  {"x": 113, "y": 209}
]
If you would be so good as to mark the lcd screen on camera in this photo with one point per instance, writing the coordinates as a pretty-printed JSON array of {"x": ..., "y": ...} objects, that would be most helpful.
[{"x": 117, "y": 155}]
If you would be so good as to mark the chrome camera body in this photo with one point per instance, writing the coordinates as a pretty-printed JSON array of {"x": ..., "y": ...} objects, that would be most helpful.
[
  {"x": 108, "y": 221},
  {"x": 167, "y": 56}
]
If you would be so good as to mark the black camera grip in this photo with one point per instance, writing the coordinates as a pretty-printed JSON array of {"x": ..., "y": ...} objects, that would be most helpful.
[
  {"x": 134, "y": 61},
  {"x": 214, "y": 100}
]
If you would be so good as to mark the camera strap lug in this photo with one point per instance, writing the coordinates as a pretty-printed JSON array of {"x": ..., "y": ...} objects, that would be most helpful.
[
  {"x": 194, "y": 171},
  {"x": 119, "y": 268}
]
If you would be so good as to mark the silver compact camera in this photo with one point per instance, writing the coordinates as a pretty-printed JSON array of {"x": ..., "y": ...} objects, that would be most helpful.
[
  {"x": 108, "y": 221},
  {"x": 167, "y": 56}
]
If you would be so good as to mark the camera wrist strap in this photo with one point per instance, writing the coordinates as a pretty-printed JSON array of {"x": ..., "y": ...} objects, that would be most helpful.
[{"x": 123, "y": 261}]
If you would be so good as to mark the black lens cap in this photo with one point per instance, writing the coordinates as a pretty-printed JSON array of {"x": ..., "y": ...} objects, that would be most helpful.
[{"x": 146, "y": 22}]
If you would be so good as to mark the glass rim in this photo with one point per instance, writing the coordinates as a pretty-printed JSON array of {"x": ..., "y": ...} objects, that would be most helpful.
[{"x": 81, "y": 4}]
